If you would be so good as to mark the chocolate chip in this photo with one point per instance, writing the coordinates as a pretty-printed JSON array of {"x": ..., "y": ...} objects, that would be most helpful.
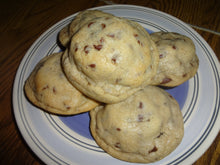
[
  {"x": 102, "y": 40},
  {"x": 111, "y": 35},
  {"x": 166, "y": 80},
  {"x": 90, "y": 24},
  {"x": 54, "y": 90},
  {"x": 161, "y": 133},
  {"x": 117, "y": 145},
  {"x": 153, "y": 150},
  {"x": 118, "y": 129},
  {"x": 184, "y": 75},
  {"x": 86, "y": 49},
  {"x": 138, "y": 41},
  {"x": 140, "y": 105},
  {"x": 97, "y": 47},
  {"x": 103, "y": 25},
  {"x": 140, "y": 118},
  {"x": 92, "y": 65},
  {"x": 114, "y": 60},
  {"x": 161, "y": 56},
  {"x": 46, "y": 87},
  {"x": 66, "y": 106},
  {"x": 170, "y": 96},
  {"x": 117, "y": 80}
]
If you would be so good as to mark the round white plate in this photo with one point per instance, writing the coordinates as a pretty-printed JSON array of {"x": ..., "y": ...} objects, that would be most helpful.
[{"x": 67, "y": 140}]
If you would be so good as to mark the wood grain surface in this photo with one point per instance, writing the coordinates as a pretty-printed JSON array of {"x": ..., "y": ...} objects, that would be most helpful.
[{"x": 23, "y": 21}]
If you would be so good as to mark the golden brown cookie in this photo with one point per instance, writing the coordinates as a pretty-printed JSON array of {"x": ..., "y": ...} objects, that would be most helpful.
[
  {"x": 81, "y": 18},
  {"x": 109, "y": 59},
  {"x": 178, "y": 61},
  {"x": 144, "y": 128},
  {"x": 48, "y": 88}
]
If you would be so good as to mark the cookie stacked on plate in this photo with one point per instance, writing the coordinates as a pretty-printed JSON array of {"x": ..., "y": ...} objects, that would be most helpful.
[{"x": 111, "y": 67}]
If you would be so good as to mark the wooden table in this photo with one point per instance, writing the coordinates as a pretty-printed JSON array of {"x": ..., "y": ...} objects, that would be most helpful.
[{"x": 22, "y": 22}]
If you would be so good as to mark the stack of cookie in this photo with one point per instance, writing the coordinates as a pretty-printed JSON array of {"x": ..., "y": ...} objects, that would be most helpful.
[{"x": 112, "y": 67}]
